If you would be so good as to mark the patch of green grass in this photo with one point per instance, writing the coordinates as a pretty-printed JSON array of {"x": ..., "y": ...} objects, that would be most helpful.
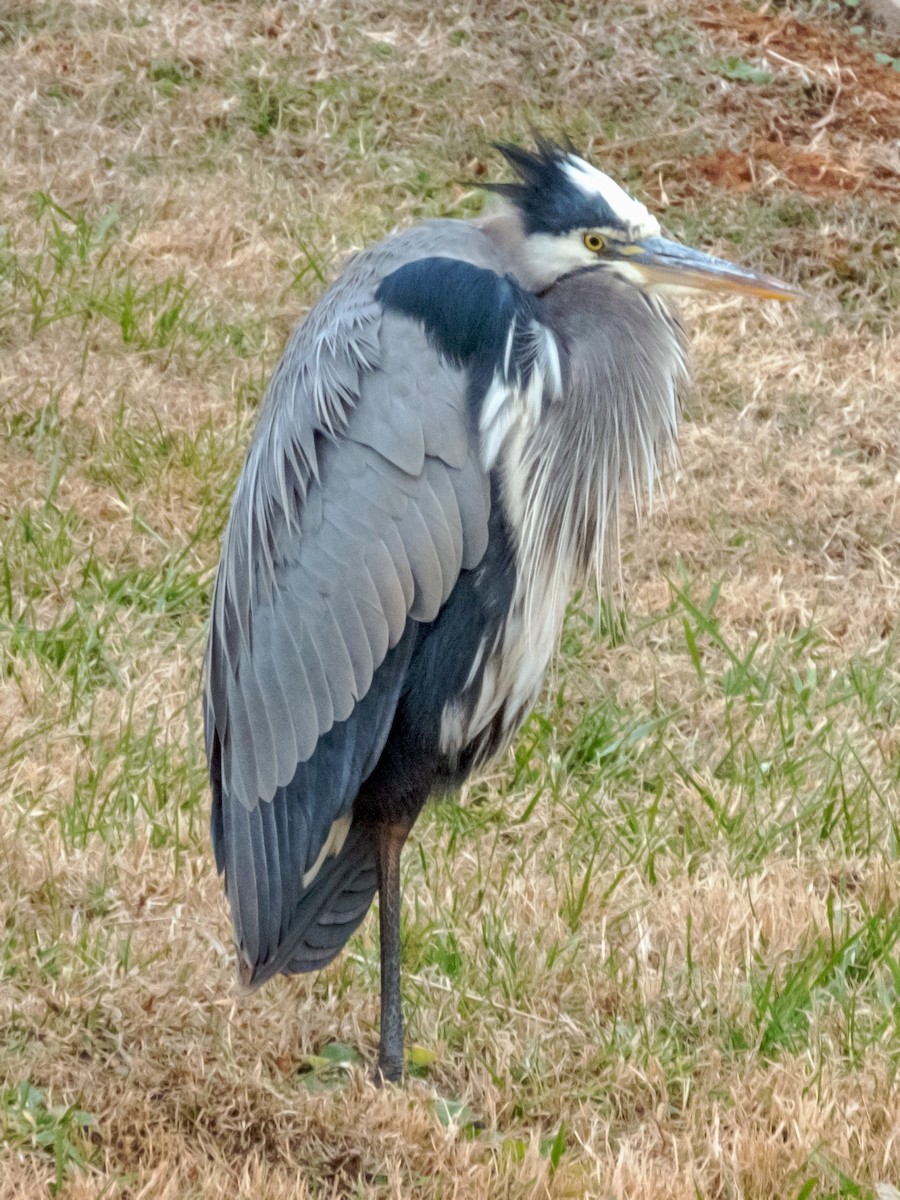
[
  {"x": 799, "y": 756},
  {"x": 851, "y": 977},
  {"x": 40, "y": 546},
  {"x": 801, "y": 747},
  {"x": 28, "y": 1123},
  {"x": 741, "y": 71},
  {"x": 170, "y": 74},
  {"x": 139, "y": 779},
  {"x": 82, "y": 274}
]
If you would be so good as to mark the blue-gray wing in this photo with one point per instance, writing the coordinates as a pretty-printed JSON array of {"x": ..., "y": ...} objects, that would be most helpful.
[{"x": 361, "y": 500}]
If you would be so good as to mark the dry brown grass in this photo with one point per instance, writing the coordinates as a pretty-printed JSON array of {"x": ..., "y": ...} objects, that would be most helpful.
[{"x": 686, "y": 957}]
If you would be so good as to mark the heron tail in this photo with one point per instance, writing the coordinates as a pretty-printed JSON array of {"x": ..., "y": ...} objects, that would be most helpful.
[{"x": 326, "y": 915}]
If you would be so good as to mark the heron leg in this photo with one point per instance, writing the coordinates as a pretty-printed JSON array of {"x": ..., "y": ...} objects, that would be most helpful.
[{"x": 390, "y": 1051}]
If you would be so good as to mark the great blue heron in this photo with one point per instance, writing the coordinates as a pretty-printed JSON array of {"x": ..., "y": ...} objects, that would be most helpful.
[{"x": 441, "y": 455}]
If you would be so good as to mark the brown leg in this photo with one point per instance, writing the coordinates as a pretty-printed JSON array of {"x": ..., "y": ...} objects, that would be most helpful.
[{"x": 390, "y": 1051}]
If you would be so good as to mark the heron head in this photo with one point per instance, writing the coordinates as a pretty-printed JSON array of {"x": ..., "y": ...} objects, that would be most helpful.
[{"x": 574, "y": 217}]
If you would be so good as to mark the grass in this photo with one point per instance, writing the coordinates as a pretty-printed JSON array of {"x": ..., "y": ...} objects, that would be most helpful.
[{"x": 655, "y": 951}]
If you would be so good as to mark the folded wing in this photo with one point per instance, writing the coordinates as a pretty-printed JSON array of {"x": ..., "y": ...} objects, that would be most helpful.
[{"x": 361, "y": 501}]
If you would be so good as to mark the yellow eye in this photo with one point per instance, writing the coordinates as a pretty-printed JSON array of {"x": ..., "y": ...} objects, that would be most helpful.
[{"x": 594, "y": 242}]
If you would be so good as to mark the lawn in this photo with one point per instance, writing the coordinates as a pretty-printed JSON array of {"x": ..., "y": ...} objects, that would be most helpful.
[{"x": 655, "y": 952}]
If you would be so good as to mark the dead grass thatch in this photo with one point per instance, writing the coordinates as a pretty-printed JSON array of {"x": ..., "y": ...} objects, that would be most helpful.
[{"x": 653, "y": 954}]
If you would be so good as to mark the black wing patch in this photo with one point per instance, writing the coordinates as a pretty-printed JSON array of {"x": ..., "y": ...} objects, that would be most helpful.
[{"x": 467, "y": 311}]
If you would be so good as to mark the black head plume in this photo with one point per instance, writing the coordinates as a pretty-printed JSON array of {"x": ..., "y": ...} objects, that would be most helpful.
[{"x": 546, "y": 196}]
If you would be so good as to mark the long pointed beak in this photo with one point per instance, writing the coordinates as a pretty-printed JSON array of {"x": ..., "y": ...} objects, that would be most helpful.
[{"x": 668, "y": 265}]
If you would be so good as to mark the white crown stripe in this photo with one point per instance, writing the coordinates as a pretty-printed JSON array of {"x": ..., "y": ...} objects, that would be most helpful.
[{"x": 626, "y": 209}]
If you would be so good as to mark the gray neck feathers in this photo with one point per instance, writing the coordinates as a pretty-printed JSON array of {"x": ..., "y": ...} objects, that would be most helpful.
[{"x": 601, "y": 446}]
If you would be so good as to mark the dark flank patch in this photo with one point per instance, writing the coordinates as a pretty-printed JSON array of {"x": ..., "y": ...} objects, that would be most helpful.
[{"x": 545, "y": 195}]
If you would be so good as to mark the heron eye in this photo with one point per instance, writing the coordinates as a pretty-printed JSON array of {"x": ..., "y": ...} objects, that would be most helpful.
[{"x": 594, "y": 242}]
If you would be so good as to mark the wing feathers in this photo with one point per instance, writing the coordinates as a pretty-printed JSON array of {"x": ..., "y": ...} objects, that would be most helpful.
[
  {"x": 389, "y": 427},
  {"x": 425, "y": 564},
  {"x": 473, "y": 496},
  {"x": 240, "y": 874},
  {"x": 296, "y": 687},
  {"x": 239, "y": 768},
  {"x": 371, "y": 488},
  {"x": 387, "y": 580},
  {"x": 374, "y": 605},
  {"x": 269, "y": 849},
  {"x": 271, "y": 914},
  {"x": 310, "y": 657},
  {"x": 346, "y": 612},
  {"x": 446, "y": 435},
  {"x": 332, "y": 650},
  {"x": 445, "y": 516},
  {"x": 270, "y": 718},
  {"x": 393, "y": 543}
]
